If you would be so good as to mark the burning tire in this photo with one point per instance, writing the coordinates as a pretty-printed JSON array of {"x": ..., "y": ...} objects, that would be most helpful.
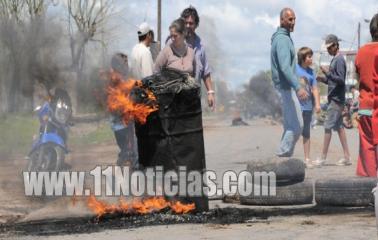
[
  {"x": 356, "y": 191},
  {"x": 288, "y": 171},
  {"x": 172, "y": 136},
  {"x": 296, "y": 194}
]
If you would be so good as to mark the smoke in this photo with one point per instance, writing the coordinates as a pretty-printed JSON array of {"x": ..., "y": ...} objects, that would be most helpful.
[
  {"x": 216, "y": 56},
  {"x": 218, "y": 62},
  {"x": 32, "y": 53},
  {"x": 259, "y": 98}
]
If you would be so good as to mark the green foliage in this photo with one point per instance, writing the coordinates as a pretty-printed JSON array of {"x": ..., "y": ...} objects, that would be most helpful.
[
  {"x": 101, "y": 134},
  {"x": 17, "y": 134}
]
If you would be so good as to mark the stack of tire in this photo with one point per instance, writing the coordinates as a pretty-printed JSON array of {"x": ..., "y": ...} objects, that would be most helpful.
[
  {"x": 291, "y": 186},
  {"x": 293, "y": 189}
]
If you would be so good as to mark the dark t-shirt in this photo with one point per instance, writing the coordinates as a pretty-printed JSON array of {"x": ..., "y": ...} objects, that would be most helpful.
[{"x": 336, "y": 79}]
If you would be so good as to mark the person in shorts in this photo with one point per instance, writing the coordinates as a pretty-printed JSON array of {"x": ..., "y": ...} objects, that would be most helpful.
[{"x": 334, "y": 77}]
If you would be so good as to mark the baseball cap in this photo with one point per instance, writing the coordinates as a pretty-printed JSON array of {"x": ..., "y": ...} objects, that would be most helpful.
[
  {"x": 331, "y": 39},
  {"x": 143, "y": 29}
]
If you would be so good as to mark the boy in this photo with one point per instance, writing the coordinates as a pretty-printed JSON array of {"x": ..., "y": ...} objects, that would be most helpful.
[{"x": 308, "y": 82}]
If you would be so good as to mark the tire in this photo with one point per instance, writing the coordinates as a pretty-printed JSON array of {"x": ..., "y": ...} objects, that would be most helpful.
[
  {"x": 49, "y": 157},
  {"x": 231, "y": 199},
  {"x": 288, "y": 171},
  {"x": 352, "y": 192},
  {"x": 32, "y": 162},
  {"x": 57, "y": 163},
  {"x": 296, "y": 194}
]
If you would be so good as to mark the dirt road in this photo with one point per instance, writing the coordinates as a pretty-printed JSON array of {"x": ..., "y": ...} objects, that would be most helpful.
[{"x": 227, "y": 148}]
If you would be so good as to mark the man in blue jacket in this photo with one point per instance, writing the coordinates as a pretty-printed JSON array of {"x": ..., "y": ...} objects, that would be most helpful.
[{"x": 286, "y": 82}]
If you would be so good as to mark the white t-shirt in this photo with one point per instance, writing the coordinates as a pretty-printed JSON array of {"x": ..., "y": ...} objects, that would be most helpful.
[{"x": 141, "y": 61}]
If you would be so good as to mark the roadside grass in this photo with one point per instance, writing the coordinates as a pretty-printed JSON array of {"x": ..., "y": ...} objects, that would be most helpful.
[
  {"x": 16, "y": 133},
  {"x": 17, "y": 130},
  {"x": 101, "y": 134}
]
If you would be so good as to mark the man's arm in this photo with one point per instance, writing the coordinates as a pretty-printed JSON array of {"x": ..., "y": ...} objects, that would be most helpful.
[
  {"x": 210, "y": 92},
  {"x": 337, "y": 74},
  {"x": 284, "y": 63},
  {"x": 207, "y": 81}
]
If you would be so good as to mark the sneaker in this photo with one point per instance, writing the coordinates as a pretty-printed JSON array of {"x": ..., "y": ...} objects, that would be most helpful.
[
  {"x": 344, "y": 162},
  {"x": 319, "y": 162},
  {"x": 308, "y": 163},
  {"x": 286, "y": 154}
]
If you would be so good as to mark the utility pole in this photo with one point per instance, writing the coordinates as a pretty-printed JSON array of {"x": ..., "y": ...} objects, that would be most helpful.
[
  {"x": 359, "y": 35},
  {"x": 359, "y": 32},
  {"x": 159, "y": 23}
]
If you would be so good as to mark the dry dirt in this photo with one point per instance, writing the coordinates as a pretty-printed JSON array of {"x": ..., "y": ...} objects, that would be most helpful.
[{"x": 227, "y": 148}]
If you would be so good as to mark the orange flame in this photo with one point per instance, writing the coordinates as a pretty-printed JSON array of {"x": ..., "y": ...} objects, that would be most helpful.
[
  {"x": 120, "y": 101},
  {"x": 178, "y": 207},
  {"x": 138, "y": 206}
]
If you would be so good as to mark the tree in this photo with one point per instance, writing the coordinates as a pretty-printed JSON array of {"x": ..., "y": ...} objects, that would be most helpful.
[
  {"x": 18, "y": 19},
  {"x": 85, "y": 19}
]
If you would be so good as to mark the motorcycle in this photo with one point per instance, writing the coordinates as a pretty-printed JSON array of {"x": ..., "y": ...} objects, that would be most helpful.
[
  {"x": 347, "y": 115},
  {"x": 320, "y": 117},
  {"x": 50, "y": 147}
]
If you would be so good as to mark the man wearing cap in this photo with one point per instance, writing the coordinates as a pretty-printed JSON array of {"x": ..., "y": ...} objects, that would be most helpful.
[
  {"x": 202, "y": 69},
  {"x": 284, "y": 77},
  {"x": 141, "y": 57},
  {"x": 334, "y": 77}
]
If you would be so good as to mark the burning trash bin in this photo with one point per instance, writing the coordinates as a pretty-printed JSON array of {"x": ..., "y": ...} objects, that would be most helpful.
[{"x": 173, "y": 135}]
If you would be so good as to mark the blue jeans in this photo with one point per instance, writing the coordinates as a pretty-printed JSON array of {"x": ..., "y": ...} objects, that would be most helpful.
[
  {"x": 292, "y": 122},
  {"x": 127, "y": 143}
]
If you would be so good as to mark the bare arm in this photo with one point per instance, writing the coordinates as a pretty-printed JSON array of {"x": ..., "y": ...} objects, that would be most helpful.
[
  {"x": 210, "y": 92},
  {"x": 315, "y": 91}
]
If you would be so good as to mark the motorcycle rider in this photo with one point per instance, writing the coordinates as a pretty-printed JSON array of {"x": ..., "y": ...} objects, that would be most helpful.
[{"x": 54, "y": 116}]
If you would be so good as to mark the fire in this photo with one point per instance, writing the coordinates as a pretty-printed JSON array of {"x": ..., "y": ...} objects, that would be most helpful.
[
  {"x": 120, "y": 99},
  {"x": 138, "y": 206},
  {"x": 178, "y": 207}
]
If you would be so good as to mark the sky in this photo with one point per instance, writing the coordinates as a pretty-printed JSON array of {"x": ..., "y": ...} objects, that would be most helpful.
[{"x": 243, "y": 28}]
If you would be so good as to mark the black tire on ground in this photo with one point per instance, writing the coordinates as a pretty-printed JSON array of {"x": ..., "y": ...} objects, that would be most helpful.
[
  {"x": 354, "y": 191},
  {"x": 288, "y": 170},
  {"x": 296, "y": 194},
  {"x": 231, "y": 199}
]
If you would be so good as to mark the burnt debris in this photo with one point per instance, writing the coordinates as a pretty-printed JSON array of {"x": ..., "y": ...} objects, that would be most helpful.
[{"x": 222, "y": 216}]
